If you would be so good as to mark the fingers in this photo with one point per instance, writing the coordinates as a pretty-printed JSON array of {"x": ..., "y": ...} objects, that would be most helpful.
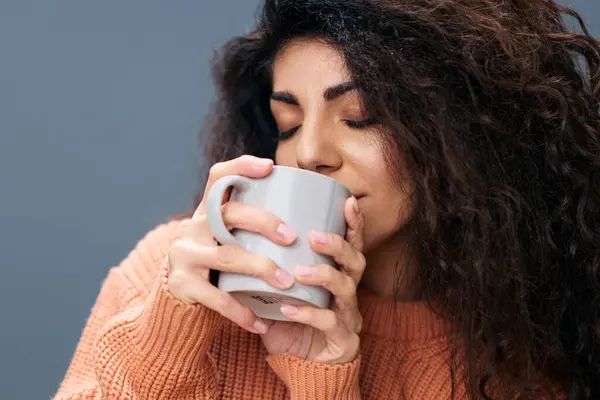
[
  {"x": 232, "y": 259},
  {"x": 350, "y": 260},
  {"x": 322, "y": 319},
  {"x": 249, "y": 166},
  {"x": 240, "y": 216},
  {"x": 328, "y": 322},
  {"x": 341, "y": 286},
  {"x": 355, "y": 224},
  {"x": 347, "y": 254},
  {"x": 253, "y": 219},
  {"x": 192, "y": 291}
]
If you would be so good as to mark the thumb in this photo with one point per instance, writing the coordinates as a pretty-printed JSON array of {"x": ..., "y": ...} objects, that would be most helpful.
[{"x": 355, "y": 224}]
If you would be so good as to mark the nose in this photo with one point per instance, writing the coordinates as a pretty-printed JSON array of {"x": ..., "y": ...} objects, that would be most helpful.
[{"x": 317, "y": 150}]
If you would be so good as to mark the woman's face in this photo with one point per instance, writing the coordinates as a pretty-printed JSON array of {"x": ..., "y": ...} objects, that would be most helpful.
[{"x": 323, "y": 129}]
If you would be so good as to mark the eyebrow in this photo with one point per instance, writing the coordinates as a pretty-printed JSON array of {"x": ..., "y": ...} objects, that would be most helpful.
[{"x": 331, "y": 93}]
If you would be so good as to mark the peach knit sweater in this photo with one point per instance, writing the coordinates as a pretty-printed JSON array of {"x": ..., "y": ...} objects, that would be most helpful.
[{"x": 141, "y": 343}]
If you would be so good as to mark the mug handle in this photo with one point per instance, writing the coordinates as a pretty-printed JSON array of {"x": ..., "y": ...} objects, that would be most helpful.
[{"x": 214, "y": 200}]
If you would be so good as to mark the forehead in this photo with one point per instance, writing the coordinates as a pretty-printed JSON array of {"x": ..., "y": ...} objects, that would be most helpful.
[{"x": 308, "y": 62}]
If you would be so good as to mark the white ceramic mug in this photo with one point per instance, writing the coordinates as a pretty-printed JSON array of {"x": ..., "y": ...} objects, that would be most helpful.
[{"x": 306, "y": 201}]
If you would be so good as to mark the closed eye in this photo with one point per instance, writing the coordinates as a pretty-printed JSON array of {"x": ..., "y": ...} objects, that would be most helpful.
[
  {"x": 360, "y": 124},
  {"x": 288, "y": 134},
  {"x": 349, "y": 123}
]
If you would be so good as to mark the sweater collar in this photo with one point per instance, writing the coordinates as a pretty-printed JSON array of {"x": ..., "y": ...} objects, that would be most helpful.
[{"x": 385, "y": 318}]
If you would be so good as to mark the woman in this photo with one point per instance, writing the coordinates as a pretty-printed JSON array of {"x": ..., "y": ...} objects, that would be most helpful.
[{"x": 469, "y": 134}]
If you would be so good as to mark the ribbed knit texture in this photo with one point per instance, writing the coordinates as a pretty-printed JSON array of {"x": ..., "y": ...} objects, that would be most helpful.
[{"x": 142, "y": 343}]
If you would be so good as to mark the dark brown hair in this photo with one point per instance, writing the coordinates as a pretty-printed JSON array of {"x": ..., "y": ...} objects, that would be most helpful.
[{"x": 493, "y": 105}]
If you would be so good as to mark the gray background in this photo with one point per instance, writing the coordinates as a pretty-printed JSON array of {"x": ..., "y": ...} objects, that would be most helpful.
[{"x": 100, "y": 106}]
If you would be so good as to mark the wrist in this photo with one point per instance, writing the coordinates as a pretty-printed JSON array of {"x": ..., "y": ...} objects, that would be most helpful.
[
  {"x": 160, "y": 334},
  {"x": 309, "y": 379}
]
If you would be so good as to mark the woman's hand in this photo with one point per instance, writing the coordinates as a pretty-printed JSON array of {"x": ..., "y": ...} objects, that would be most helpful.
[
  {"x": 322, "y": 335},
  {"x": 195, "y": 252},
  {"x": 326, "y": 335}
]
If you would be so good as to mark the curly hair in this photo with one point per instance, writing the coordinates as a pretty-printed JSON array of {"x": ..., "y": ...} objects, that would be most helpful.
[{"x": 493, "y": 108}]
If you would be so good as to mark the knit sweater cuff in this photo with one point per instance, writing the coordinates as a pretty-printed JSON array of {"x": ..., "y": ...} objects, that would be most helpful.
[
  {"x": 311, "y": 380},
  {"x": 158, "y": 344}
]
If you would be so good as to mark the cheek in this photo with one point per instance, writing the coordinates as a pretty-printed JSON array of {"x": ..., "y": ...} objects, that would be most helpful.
[
  {"x": 286, "y": 154},
  {"x": 386, "y": 214},
  {"x": 366, "y": 157},
  {"x": 390, "y": 206}
]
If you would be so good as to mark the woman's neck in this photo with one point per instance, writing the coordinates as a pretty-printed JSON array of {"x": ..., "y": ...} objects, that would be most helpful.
[{"x": 390, "y": 273}]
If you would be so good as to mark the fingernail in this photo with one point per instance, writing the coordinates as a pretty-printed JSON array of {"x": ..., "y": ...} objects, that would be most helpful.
[
  {"x": 260, "y": 327},
  {"x": 284, "y": 277},
  {"x": 320, "y": 237},
  {"x": 289, "y": 310},
  {"x": 286, "y": 232},
  {"x": 355, "y": 205},
  {"x": 304, "y": 270},
  {"x": 262, "y": 162}
]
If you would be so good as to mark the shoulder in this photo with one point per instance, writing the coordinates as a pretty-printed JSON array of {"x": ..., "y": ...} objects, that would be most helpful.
[
  {"x": 141, "y": 266},
  {"x": 156, "y": 243}
]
